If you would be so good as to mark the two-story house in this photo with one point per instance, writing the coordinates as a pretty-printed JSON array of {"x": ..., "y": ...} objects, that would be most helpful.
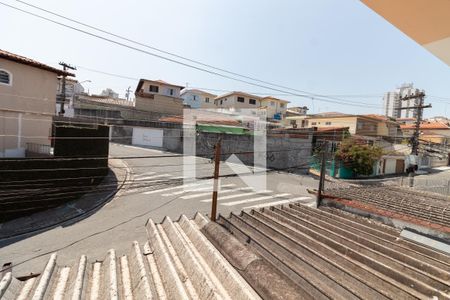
[
  {"x": 27, "y": 103},
  {"x": 234, "y": 101},
  {"x": 198, "y": 99},
  {"x": 275, "y": 108},
  {"x": 159, "y": 96},
  {"x": 357, "y": 124}
]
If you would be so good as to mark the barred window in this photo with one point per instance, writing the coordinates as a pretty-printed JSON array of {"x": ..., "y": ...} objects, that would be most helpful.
[{"x": 5, "y": 77}]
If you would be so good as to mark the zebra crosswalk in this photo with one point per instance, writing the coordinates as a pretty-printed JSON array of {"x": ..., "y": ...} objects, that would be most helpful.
[{"x": 199, "y": 191}]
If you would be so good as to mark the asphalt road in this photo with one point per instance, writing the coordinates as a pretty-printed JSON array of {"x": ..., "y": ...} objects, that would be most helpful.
[{"x": 156, "y": 188}]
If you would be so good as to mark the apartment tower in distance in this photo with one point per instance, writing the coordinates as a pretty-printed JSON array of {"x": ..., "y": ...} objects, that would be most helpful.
[{"x": 392, "y": 102}]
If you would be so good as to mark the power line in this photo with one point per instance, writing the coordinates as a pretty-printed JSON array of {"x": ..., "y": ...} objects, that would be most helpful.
[
  {"x": 164, "y": 51},
  {"x": 316, "y": 96}
]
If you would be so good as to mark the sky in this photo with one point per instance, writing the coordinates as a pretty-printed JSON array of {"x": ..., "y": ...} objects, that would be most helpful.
[{"x": 326, "y": 47}]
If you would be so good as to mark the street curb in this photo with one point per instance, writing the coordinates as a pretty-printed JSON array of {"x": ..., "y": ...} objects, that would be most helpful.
[{"x": 85, "y": 213}]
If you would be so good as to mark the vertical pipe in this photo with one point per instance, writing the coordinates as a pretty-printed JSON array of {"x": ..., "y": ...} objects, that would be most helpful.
[{"x": 216, "y": 180}]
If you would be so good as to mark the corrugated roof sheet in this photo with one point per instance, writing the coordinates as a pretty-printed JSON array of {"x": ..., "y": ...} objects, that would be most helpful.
[
  {"x": 30, "y": 62},
  {"x": 178, "y": 262}
]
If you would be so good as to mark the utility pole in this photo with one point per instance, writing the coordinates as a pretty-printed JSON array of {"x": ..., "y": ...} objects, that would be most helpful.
[
  {"x": 216, "y": 179},
  {"x": 128, "y": 91},
  {"x": 415, "y": 141},
  {"x": 322, "y": 176},
  {"x": 63, "y": 87}
]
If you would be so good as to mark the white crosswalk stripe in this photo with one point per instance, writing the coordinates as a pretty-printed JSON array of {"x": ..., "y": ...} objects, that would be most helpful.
[
  {"x": 254, "y": 199},
  {"x": 144, "y": 174},
  {"x": 277, "y": 202},
  {"x": 221, "y": 192},
  {"x": 239, "y": 195},
  {"x": 152, "y": 177},
  {"x": 176, "y": 187},
  {"x": 206, "y": 188}
]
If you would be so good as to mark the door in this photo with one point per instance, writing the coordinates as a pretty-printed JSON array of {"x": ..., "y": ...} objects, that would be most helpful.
[
  {"x": 147, "y": 137},
  {"x": 400, "y": 166}
]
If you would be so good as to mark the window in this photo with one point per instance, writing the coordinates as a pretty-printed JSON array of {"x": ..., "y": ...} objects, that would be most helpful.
[
  {"x": 171, "y": 91},
  {"x": 313, "y": 123},
  {"x": 154, "y": 89},
  {"x": 252, "y": 101},
  {"x": 327, "y": 123},
  {"x": 221, "y": 102},
  {"x": 206, "y": 100},
  {"x": 194, "y": 97},
  {"x": 282, "y": 105},
  {"x": 241, "y": 99},
  {"x": 272, "y": 103},
  {"x": 5, "y": 77}
]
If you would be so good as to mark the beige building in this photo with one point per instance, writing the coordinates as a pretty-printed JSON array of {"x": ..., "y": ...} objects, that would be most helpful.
[
  {"x": 234, "y": 101},
  {"x": 359, "y": 125},
  {"x": 27, "y": 103},
  {"x": 159, "y": 96},
  {"x": 275, "y": 108}
]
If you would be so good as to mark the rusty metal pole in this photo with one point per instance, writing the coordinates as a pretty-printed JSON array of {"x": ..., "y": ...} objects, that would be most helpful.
[{"x": 216, "y": 179}]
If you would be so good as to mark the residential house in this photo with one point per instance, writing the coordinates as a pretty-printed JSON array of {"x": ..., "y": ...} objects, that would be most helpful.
[
  {"x": 198, "y": 99},
  {"x": 234, "y": 101},
  {"x": 159, "y": 96},
  {"x": 357, "y": 124},
  {"x": 28, "y": 101},
  {"x": 387, "y": 127},
  {"x": 275, "y": 108}
]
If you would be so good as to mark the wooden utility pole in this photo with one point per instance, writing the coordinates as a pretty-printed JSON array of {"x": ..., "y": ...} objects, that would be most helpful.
[
  {"x": 322, "y": 176},
  {"x": 419, "y": 116},
  {"x": 415, "y": 141},
  {"x": 217, "y": 153},
  {"x": 128, "y": 92},
  {"x": 63, "y": 87}
]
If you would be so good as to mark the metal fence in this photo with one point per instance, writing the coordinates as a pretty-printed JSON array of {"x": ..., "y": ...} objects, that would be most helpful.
[
  {"x": 39, "y": 149},
  {"x": 440, "y": 186}
]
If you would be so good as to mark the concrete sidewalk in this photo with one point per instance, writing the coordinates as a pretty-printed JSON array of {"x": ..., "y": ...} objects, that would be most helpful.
[{"x": 71, "y": 211}]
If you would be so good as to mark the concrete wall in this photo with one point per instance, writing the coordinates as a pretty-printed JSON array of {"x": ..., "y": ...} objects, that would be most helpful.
[
  {"x": 27, "y": 106},
  {"x": 283, "y": 151}
]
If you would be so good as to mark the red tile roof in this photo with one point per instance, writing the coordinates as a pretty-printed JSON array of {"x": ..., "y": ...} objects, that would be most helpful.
[
  {"x": 428, "y": 125},
  {"x": 30, "y": 62}
]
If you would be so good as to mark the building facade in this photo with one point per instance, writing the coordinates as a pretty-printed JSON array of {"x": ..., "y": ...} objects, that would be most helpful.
[
  {"x": 28, "y": 100},
  {"x": 198, "y": 99},
  {"x": 275, "y": 108},
  {"x": 159, "y": 96},
  {"x": 392, "y": 102},
  {"x": 356, "y": 124}
]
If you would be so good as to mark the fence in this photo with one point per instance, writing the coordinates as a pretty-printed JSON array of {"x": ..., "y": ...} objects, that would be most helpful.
[
  {"x": 38, "y": 150},
  {"x": 440, "y": 186}
]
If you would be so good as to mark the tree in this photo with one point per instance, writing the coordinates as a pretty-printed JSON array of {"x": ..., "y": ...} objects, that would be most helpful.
[{"x": 358, "y": 156}]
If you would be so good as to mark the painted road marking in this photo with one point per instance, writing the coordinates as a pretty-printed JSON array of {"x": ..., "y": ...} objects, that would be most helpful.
[
  {"x": 278, "y": 202},
  {"x": 152, "y": 177},
  {"x": 209, "y": 187},
  {"x": 239, "y": 195},
  {"x": 174, "y": 187},
  {"x": 144, "y": 174},
  {"x": 255, "y": 199},
  {"x": 225, "y": 191}
]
